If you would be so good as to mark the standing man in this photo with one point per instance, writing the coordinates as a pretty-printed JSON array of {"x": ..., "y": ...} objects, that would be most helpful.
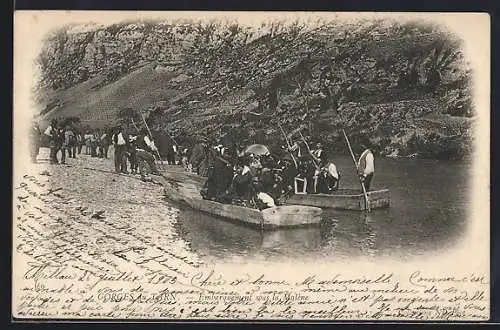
[
  {"x": 104, "y": 143},
  {"x": 132, "y": 154},
  {"x": 34, "y": 140},
  {"x": 74, "y": 143},
  {"x": 184, "y": 159},
  {"x": 52, "y": 133},
  {"x": 64, "y": 143},
  {"x": 171, "y": 153},
  {"x": 68, "y": 144},
  {"x": 94, "y": 144},
  {"x": 366, "y": 168},
  {"x": 79, "y": 142},
  {"x": 197, "y": 156},
  {"x": 88, "y": 144},
  {"x": 120, "y": 143},
  {"x": 318, "y": 152}
]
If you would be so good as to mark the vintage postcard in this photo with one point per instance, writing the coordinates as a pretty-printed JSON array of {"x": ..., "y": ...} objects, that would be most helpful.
[{"x": 251, "y": 166}]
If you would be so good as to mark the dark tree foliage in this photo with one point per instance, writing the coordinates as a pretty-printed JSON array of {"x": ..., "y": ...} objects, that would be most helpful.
[{"x": 324, "y": 75}]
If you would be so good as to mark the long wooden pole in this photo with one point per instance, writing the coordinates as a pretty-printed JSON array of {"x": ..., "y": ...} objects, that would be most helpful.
[
  {"x": 151, "y": 135},
  {"x": 309, "y": 150},
  {"x": 367, "y": 203},
  {"x": 133, "y": 123},
  {"x": 289, "y": 146}
]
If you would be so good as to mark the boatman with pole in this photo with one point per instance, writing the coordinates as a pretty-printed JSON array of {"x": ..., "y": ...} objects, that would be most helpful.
[{"x": 366, "y": 168}]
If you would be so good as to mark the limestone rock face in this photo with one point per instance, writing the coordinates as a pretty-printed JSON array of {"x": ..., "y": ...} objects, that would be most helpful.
[{"x": 393, "y": 86}]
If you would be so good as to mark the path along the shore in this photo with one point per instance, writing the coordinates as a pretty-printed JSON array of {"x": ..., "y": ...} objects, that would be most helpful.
[{"x": 85, "y": 215}]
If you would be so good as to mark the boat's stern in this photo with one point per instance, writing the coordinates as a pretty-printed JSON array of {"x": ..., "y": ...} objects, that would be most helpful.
[{"x": 291, "y": 216}]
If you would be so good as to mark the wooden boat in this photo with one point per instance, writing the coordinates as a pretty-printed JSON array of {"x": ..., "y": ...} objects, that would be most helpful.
[
  {"x": 184, "y": 188},
  {"x": 343, "y": 199}
]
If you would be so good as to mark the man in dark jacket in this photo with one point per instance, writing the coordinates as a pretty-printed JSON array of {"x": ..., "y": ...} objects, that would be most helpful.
[
  {"x": 197, "y": 156},
  {"x": 79, "y": 142},
  {"x": 132, "y": 154},
  {"x": 53, "y": 133},
  {"x": 241, "y": 185},
  {"x": 68, "y": 144},
  {"x": 120, "y": 142},
  {"x": 171, "y": 153},
  {"x": 105, "y": 143},
  {"x": 219, "y": 179}
]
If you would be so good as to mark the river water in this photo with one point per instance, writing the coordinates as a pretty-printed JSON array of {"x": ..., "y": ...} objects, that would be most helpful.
[{"x": 428, "y": 212}]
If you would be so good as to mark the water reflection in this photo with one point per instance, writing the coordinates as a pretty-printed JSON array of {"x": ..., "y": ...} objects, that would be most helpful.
[
  {"x": 215, "y": 238},
  {"x": 347, "y": 235},
  {"x": 295, "y": 239}
]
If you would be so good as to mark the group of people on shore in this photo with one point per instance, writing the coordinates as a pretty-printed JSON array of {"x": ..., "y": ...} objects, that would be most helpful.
[
  {"x": 63, "y": 139},
  {"x": 136, "y": 150},
  {"x": 236, "y": 176}
]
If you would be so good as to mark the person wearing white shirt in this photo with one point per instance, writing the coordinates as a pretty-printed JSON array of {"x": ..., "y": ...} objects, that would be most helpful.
[
  {"x": 366, "y": 168},
  {"x": 145, "y": 147},
  {"x": 265, "y": 199},
  {"x": 318, "y": 152}
]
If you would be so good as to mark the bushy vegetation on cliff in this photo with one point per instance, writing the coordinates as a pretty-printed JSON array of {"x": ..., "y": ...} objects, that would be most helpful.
[{"x": 403, "y": 88}]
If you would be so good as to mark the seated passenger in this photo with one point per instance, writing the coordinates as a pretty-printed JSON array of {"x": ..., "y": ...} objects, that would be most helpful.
[
  {"x": 240, "y": 187},
  {"x": 326, "y": 179}
]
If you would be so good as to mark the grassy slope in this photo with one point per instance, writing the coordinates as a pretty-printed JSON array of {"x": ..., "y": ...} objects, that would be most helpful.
[{"x": 98, "y": 105}]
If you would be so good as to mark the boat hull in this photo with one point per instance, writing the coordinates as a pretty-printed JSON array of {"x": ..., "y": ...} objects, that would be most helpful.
[
  {"x": 187, "y": 193},
  {"x": 344, "y": 200}
]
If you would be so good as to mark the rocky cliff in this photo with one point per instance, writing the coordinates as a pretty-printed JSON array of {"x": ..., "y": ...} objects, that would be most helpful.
[{"x": 404, "y": 89}]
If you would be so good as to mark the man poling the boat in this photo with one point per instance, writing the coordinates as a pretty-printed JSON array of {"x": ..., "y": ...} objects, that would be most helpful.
[{"x": 366, "y": 168}]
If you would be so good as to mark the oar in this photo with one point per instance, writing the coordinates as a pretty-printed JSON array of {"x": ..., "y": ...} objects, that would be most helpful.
[{"x": 367, "y": 202}]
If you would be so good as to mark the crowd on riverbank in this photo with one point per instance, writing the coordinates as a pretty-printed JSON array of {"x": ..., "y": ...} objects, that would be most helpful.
[{"x": 251, "y": 176}]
